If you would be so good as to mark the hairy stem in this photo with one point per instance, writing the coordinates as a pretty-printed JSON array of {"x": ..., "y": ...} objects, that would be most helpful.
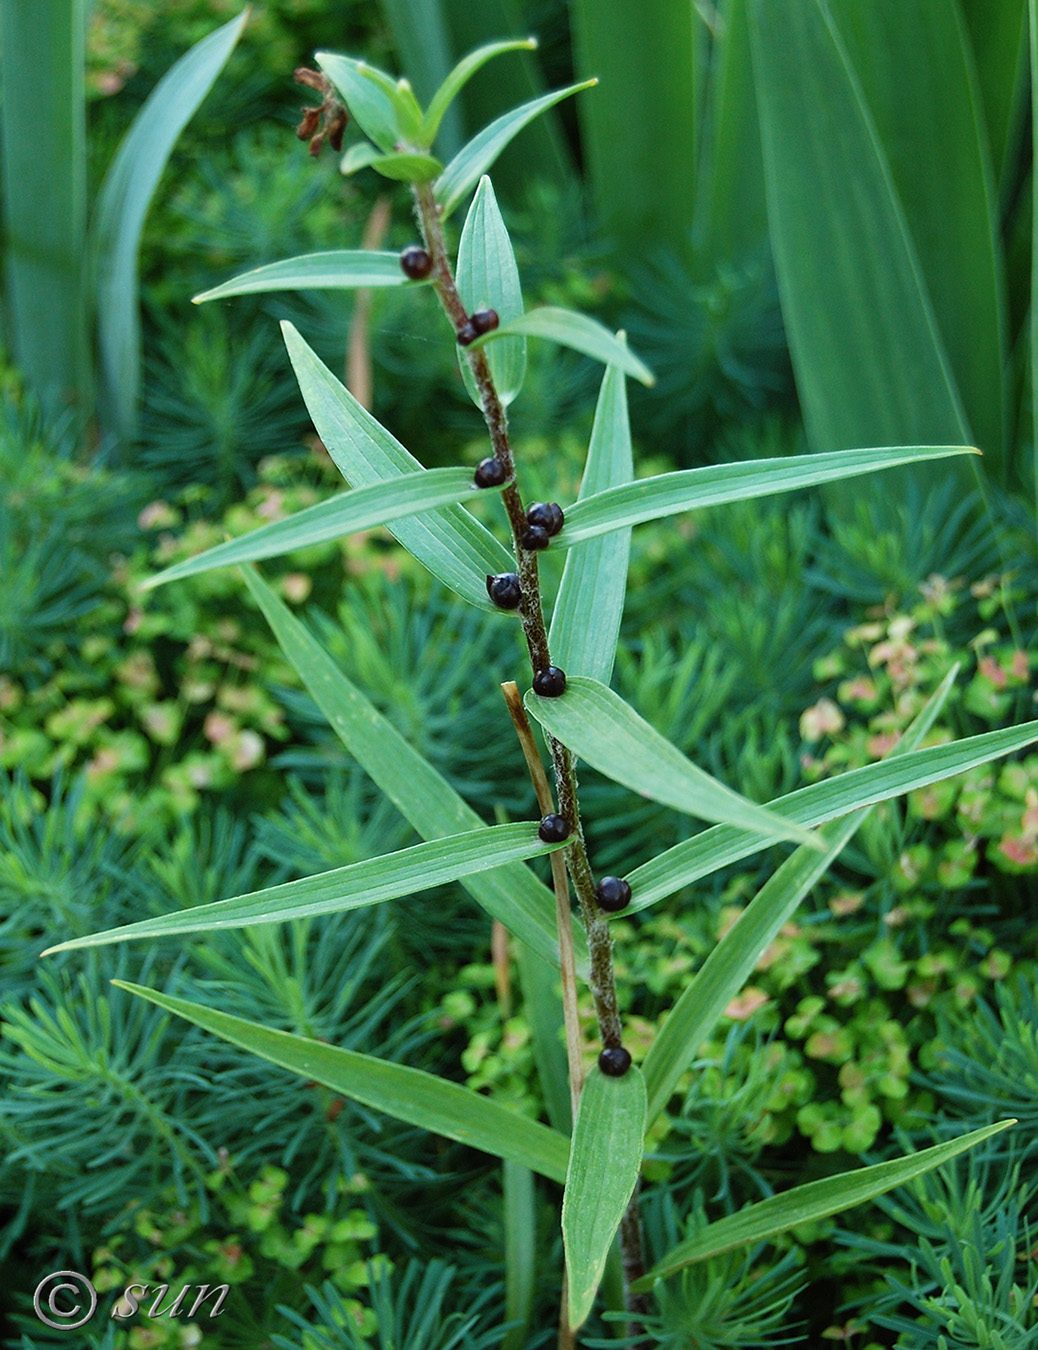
[{"x": 602, "y": 980}]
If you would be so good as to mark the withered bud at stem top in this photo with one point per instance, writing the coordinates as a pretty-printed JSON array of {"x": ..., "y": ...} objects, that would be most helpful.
[
  {"x": 316, "y": 144},
  {"x": 313, "y": 79},
  {"x": 309, "y": 124},
  {"x": 336, "y": 127}
]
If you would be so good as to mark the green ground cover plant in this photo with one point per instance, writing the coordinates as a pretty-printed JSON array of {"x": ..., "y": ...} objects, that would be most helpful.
[{"x": 594, "y": 1142}]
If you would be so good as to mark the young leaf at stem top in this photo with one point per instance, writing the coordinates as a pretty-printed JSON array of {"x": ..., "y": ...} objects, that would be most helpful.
[
  {"x": 487, "y": 278},
  {"x": 373, "y": 99},
  {"x": 459, "y": 77}
]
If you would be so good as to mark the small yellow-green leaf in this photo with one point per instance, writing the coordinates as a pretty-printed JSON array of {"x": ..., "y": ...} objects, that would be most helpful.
[{"x": 604, "y": 1160}]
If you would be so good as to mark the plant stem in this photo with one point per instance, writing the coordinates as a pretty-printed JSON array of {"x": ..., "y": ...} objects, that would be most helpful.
[{"x": 602, "y": 977}]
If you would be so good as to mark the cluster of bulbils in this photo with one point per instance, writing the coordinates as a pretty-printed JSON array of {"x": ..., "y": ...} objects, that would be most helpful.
[{"x": 543, "y": 521}]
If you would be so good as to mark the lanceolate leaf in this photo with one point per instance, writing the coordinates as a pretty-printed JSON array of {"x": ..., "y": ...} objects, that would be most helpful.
[
  {"x": 406, "y": 872},
  {"x": 585, "y": 623},
  {"x": 510, "y": 893},
  {"x": 715, "y": 848},
  {"x": 460, "y": 76},
  {"x": 604, "y": 1161},
  {"x": 406, "y": 1094},
  {"x": 449, "y": 541},
  {"x": 570, "y": 329},
  {"x": 669, "y": 494},
  {"x": 807, "y": 1204},
  {"x": 488, "y": 278},
  {"x": 474, "y": 159},
  {"x": 360, "y": 509},
  {"x": 731, "y": 962},
  {"x": 606, "y": 732},
  {"x": 336, "y": 269},
  {"x": 123, "y": 203}
]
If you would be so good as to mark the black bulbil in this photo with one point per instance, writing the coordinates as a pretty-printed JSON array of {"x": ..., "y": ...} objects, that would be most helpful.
[
  {"x": 504, "y": 590},
  {"x": 550, "y": 682},
  {"x": 553, "y": 829},
  {"x": 612, "y": 894}
]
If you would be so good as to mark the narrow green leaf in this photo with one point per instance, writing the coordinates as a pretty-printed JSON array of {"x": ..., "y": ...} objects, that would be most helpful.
[
  {"x": 406, "y": 1094},
  {"x": 668, "y": 494},
  {"x": 807, "y": 1204},
  {"x": 122, "y": 205},
  {"x": 423, "y": 46},
  {"x": 520, "y": 1225},
  {"x": 448, "y": 541},
  {"x": 605, "y": 731},
  {"x": 604, "y": 1161},
  {"x": 729, "y": 965},
  {"x": 335, "y": 269},
  {"x": 542, "y": 1008},
  {"x": 571, "y": 329},
  {"x": 359, "y": 509},
  {"x": 870, "y": 365},
  {"x": 488, "y": 278},
  {"x": 919, "y": 83},
  {"x": 473, "y": 160},
  {"x": 371, "y": 882},
  {"x": 1032, "y": 326},
  {"x": 720, "y": 845},
  {"x": 372, "y": 99},
  {"x": 44, "y": 164},
  {"x": 998, "y": 34},
  {"x": 460, "y": 76},
  {"x": 639, "y": 139},
  {"x": 423, "y": 796},
  {"x": 585, "y": 623},
  {"x": 405, "y": 167},
  {"x": 361, "y": 155}
]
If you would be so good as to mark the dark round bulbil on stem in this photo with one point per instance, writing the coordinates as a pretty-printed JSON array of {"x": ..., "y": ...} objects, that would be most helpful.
[
  {"x": 533, "y": 537},
  {"x": 415, "y": 262},
  {"x": 490, "y": 472},
  {"x": 550, "y": 683},
  {"x": 614, "y": 1061},
  {"x": 612, "y": 894},
  {"x": 546, "y": 516},
  {"x": 467, "y": 333},
  {"x": 504, "y": 590},
  {"x": 484, "y": 321},
  {"x": 553, "y": 829}
]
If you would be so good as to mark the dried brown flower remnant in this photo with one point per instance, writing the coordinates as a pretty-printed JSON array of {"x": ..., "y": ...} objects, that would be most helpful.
[{"x": 334, "y": 114}]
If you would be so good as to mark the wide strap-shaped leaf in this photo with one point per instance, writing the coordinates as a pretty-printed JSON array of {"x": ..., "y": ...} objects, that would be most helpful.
[
  {"x": 729, "y": 965},
  {"x": 585, "y": 623},
  {"x": 360, "y": 509},
  {"x": 422, "y": 795},
  {"x": 487, "y": 278},
  {"x": 473, "y": 160},
  {"x": 460, "y": 76},
  {"x": 870, "y": 364},
  {"x": 721, "y": 845},
  {"x": 668, "y": 494},
  {"x": 371, "y": 882},
  {"x": 605, "y": 731},
  {"x": 604, "y": 1160},
  {"x": 571, "y": 329},
  {"x": 450, "y": 542},
  {"x": 919, "y": 82},
  {"x": 122, "y": 205},
  {"x": 377, "y": 104},
  {"x": 334, "y": 269},
  {"x": 404, "y": 1093},
  {"x": 809, "y": 1203}
]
